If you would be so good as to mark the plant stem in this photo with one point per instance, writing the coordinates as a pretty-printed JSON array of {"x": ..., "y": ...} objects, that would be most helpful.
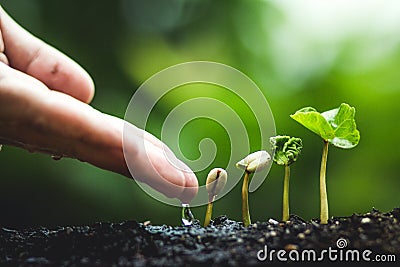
[
  {"x": 208, "y": 214},
  {"x": 245, "y": 200},
  {"x": 324, "y": 213},
  {"x": 285, "y": 211}
]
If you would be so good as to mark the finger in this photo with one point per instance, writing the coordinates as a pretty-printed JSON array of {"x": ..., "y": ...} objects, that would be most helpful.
[
  {"x": 150, "y": 155},
  {"x": 3, "y": 57},
  {"x": 191, "y": 187},
  {"x": 191, "y": 183},
  {"x": 32, "y": 56},
  {"x": 55, "y": 123}
]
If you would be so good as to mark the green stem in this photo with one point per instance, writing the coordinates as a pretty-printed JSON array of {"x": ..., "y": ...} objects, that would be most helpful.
[
  {"x": 208, "y": 214},
  {"x": 285, "y": 211},
  {"x": 324, "y": 214},
  {"x": 245, "y": 200}
]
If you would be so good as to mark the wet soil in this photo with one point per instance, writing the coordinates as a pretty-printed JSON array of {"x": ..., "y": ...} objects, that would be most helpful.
[{"x": 223, "y": 243}]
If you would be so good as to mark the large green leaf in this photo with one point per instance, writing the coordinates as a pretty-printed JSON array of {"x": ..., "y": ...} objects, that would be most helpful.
[{"x": 337, "y": 126}]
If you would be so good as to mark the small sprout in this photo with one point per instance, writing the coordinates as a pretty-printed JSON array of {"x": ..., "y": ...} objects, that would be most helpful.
[
  {"x": 216, "y": 181},
  {"x": 287, "y": 150},
  {"x": 336, "y": 127},
  {"x": 254, "y": 162}
]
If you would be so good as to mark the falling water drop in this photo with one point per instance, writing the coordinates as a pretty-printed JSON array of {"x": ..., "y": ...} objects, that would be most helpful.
[
  {"x": 187, "y": 216},
  {"x": 56, "y": 157}
]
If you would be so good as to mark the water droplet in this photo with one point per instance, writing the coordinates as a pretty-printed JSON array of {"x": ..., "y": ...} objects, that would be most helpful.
[
  {"x": 56, "y": 157},
  {"x": 187, "y": 216},
  {"x": 1, "y": 146}
]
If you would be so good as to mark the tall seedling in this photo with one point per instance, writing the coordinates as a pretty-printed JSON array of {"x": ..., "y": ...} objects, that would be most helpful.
[{"x": 336, "y": 127}]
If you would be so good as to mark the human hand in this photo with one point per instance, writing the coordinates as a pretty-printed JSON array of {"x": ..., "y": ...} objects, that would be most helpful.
[{"x": 43, "y": 108}]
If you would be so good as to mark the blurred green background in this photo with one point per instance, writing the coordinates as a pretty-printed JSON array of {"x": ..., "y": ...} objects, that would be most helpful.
[{"x": 300, "y": 53}]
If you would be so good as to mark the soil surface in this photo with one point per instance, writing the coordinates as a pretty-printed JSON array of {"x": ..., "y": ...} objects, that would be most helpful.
[{"x": 373, "y": 236}]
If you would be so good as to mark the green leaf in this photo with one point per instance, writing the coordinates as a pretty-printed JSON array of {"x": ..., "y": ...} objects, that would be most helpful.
[
  {"x": 314, "y": 121},
  {"x": 287, "y": 149},
  {"x": 337, "y": 126}
]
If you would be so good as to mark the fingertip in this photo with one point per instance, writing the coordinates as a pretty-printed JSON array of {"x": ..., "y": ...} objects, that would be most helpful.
[
  {"x": 88, "y": 93},
  {"x": 189, "y": 184},
  {"x": 82, "y": 83},
  {"x": 62, "y": 74},
  {"x": 191, "y": 187},
  {"x": 157, "y": 166}
]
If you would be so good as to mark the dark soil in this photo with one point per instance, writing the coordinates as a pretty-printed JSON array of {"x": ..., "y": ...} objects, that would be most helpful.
[{"x": 225, "y": 242}]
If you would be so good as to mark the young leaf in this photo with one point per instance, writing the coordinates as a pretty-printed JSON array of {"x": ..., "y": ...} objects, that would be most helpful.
[
  {"x": 337, "y": 126},
  {"x": 344, "y": 126},
  {"x": 287, "y": 149},
  {"x": 313, "y": 120}
]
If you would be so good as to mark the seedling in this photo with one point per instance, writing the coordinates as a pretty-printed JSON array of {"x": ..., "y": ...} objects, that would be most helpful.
[
  {"x": 287, "y": 150},
  {"x": 216, "y": 181},
  {"x": 254, "y": 162},
  {"x": 336, "y": 127}
]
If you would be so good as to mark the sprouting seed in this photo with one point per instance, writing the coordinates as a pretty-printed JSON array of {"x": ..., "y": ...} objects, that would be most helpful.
[
  {"x": 216, "y": 181},
  {"x": 254, "y": 162}
]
